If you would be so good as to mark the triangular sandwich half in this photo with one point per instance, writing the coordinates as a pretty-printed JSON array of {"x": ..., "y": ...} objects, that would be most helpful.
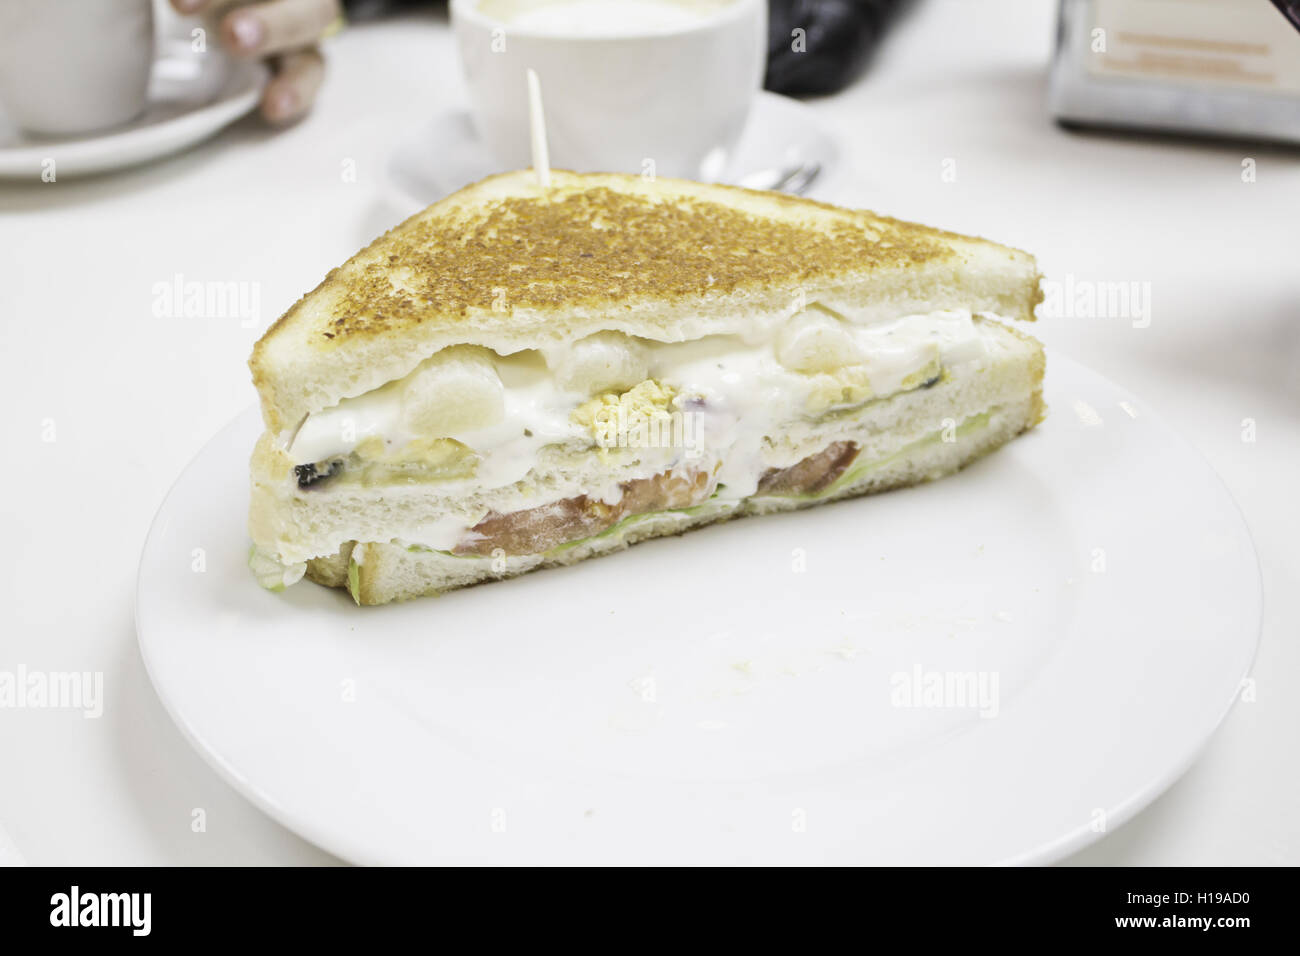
[{"x": 522, "y": 376}]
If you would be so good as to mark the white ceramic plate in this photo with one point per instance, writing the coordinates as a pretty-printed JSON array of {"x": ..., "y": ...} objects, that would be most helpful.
[
  {"x": 445, "y": 154},
  {"x": 735, "y": 695},
  {"x": 191, "y": 97}
]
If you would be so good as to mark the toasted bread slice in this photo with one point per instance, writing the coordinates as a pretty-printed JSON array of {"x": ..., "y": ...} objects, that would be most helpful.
[{"x": 509, "y": 265}]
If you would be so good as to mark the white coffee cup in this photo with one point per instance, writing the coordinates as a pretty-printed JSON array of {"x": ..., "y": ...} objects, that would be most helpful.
[
  {"x": 643, "y": 86},
  {"x": 74, "y": 66}
]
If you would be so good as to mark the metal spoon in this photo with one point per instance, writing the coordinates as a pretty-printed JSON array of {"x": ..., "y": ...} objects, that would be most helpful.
[{"x": 794, "y": 178}]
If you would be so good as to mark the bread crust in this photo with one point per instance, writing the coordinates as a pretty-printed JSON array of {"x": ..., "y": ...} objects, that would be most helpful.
[{"x": 508, "y": 265}]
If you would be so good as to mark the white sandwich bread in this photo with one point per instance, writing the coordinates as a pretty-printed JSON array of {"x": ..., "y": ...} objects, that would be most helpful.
[{"x": 521, "y": 377}]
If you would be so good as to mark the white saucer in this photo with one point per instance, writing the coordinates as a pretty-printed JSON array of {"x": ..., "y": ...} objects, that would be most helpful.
[
  {"x": 733, "y": 696},
  {"x": 445, "y": 154},
  {"x": 191, "y": 97}
]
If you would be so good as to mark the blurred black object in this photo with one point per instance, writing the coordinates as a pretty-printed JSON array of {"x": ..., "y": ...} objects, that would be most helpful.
[
  {"x": 1290, "y": 9},
  {"x": 369, "y": 9},
  {"x": 837, "y": 40}
]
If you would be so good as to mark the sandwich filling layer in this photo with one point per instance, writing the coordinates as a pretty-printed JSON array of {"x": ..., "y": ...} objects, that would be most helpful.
[
  {"x": 478, "y": 455},
  {"x": 469, "y": 414},
  {"x": 544, "y": 529}
]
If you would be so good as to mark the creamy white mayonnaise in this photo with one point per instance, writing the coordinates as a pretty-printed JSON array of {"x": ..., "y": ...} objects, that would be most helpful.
[{"x": 744, "y": 394}]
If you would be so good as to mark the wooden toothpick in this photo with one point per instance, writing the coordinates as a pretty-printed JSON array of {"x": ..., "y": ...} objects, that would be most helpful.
[{"x": 537, "y": 129}]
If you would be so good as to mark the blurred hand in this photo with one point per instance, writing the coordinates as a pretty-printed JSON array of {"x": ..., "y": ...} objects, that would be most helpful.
[{"x": 285, "y": 32}]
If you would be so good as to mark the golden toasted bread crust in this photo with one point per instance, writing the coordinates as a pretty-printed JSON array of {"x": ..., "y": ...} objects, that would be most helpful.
[
  {"x": 597, "y": 246},
  {"x": 504, "y": 253}
]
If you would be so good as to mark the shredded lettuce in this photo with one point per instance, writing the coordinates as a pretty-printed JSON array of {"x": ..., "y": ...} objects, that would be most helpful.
[
  {"x": 559, "y": 548},
  {"x": 354, "y": 580},
  {"x": 627, "y": 522},
  {"x": 270, "y": 573}
]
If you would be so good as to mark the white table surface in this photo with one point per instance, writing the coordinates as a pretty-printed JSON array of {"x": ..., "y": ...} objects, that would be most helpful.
[{"x": 134, "y": 397}]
